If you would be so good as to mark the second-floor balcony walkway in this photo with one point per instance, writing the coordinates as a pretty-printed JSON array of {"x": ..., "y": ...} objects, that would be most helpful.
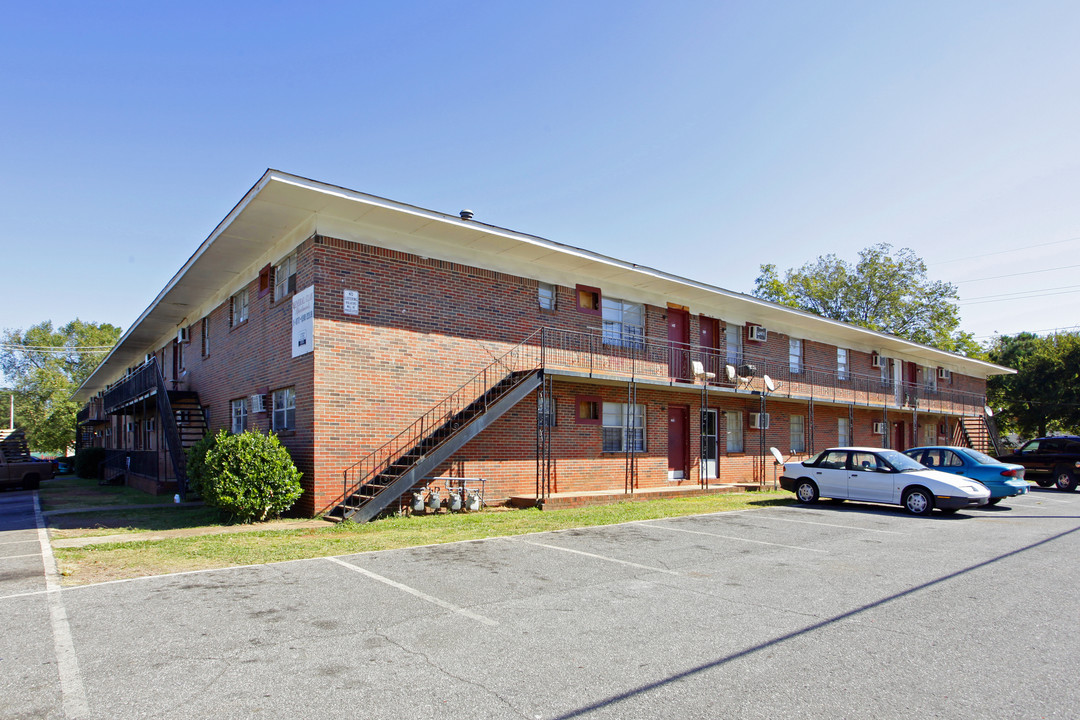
[{"x": 606, "y": 356}]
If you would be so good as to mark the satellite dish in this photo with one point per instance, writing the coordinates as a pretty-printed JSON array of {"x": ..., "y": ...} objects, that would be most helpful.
[
  {"x": 989, "y": 412},
  {"x": 769, "y": 384},
  {"x": 730, "y": 373},
  {"x": 776, "y": 454}
]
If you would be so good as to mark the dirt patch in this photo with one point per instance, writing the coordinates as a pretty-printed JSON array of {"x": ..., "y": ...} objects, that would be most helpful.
[{"x": 70, "y": 541}]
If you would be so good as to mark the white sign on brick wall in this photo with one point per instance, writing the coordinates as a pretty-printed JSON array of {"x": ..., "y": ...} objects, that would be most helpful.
[
  {"x": 352, "y": 302},
  {"x": 303, "y": 321}
]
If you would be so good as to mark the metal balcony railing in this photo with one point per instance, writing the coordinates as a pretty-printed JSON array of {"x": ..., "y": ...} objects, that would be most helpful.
[
  {"x": 651, "y": 360},
  {"x": 93, "y": 412}
]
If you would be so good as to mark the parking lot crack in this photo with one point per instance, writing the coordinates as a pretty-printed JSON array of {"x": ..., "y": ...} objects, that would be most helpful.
[{"x": 450, "y": 675}]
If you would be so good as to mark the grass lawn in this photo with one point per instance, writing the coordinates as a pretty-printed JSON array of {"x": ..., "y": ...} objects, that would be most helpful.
[
  {"x": 119, "y": 560},
  {"x": 66, "y": 492}
]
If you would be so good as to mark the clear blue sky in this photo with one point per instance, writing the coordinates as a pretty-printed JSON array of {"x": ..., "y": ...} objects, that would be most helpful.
[{"x": 702, "y": 138}]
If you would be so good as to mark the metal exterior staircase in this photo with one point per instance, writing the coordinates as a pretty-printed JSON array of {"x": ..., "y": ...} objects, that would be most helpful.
[
  {"x": 181, "y": 415},
  {"x": 385, "y": 475},
  {"x": 977, "y": 432}
]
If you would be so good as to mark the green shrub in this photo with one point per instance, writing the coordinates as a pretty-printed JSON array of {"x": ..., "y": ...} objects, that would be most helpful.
[
  {"x": 87, "y": 461},
  {"x": 196, "y": 463},
  {"x": 250, "y": 476}
]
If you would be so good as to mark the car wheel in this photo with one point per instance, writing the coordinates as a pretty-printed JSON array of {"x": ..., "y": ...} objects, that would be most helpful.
[
  {"x": 1045, "y": 482},
  {"x": 918, "y": 501},
  {"x": 1064, "y": 479},
  {"x": 994, "y": 501},
  {"x": 806, "y": 492}
]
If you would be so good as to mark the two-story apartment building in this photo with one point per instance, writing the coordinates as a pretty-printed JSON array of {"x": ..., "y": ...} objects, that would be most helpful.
[{"x": 386, "y": 343}]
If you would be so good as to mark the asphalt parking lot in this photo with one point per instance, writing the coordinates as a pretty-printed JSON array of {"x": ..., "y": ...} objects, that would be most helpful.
[{"x": 831, "y": 611}]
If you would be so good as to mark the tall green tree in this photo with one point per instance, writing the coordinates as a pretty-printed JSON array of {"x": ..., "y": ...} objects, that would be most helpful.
[
  {"x": 885, "y": 290},
  {"x": 1044, "y": 394},
  {"x": 44, "y": 366}
]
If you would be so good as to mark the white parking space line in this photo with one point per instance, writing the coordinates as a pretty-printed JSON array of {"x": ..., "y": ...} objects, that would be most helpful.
[
  {"x": 18, "y": 542},
  {"x": 413, "y": 591},
  {"x": 12, "y": 557},
  {"x": 1041, "y": 498},
  {"x": 811, "y": 522},
  {"x": 67, "y": 664},
  {"x": 732, "y": 537},
  {"x": 601, "y": 557}
]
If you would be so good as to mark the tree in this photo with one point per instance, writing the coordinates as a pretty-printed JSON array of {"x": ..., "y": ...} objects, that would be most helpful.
[
  {"x": 1044, "y": 394},
  {"x": 44, "y": 366},
  {"x": 885, "y": 291}
]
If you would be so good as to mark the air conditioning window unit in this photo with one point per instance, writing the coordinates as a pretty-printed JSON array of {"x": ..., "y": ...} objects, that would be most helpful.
[
  {"x": 876, "y": 360},
  {"x": 944, "y": 374},
  {"x": 182, "y": 335},
  {"x": 257, "y": 403},
  {"x": 759, "y": 421},
  {"x": 879, "y": 428},
  {"x": 756, "y": 333}
]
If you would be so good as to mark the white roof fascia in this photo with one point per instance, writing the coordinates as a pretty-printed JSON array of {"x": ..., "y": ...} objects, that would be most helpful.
[{"x": 311, "y": 196}]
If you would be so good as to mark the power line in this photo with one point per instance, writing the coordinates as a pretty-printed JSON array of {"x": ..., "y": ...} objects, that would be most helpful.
[
  {"x": 1033, "y": 332},
  {"x": 96, "y": 349},
  {"x": 1002, "y": 252},
  {"x": 1019, "y": 294},
  {"x": 1029, "y": 297},
  {"x": 1030, "y": 272}
]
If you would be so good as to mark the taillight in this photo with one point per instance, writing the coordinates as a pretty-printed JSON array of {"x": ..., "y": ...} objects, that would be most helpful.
[{"x": 1009, "y": 473}]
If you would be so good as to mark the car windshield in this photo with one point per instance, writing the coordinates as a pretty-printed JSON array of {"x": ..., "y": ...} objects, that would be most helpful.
[
  {"x": 900, "y": 461},
  {"x": 981, "y": 458}
]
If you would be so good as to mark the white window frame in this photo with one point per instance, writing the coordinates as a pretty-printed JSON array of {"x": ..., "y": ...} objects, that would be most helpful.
[
  {"x": 797, "y": 433},
  {"x": 548, "y": 415},
  {"x": 734, "y": 345},
  {"x": 623, "y": 427},
  {"x": 241, "y": 308},
  {"x": 282, "y": 272},
  {"x": 735, "y": 441},
  {"x": 795, "y": 356},
  {"x": 623, "y": 323},
  {"x": 841, "y": 364},
  {"x": 239, "y": 416},
  {"x": 545, "y": 295},
  {"x": 284, "y": 409}
]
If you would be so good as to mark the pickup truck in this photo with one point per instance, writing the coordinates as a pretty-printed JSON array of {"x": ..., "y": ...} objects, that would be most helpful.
[
  {"x": 1049, "y": 461},
  {"x": 16, "y": 465}
]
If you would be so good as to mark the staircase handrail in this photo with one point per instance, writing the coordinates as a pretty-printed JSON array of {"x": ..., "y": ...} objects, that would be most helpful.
[
  {"x": 438, "y": 415},
  {"x": 169, "y": 428}
]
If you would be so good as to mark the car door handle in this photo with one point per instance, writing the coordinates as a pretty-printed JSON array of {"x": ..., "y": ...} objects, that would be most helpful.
[{"x": 959, "y": 472}]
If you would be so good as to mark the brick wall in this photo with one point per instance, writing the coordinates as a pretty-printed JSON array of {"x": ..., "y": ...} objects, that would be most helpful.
[{"x": 424, "y": 328}]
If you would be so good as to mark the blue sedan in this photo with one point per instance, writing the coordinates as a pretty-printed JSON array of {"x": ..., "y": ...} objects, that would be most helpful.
[{"x": 1003, "y": 479}]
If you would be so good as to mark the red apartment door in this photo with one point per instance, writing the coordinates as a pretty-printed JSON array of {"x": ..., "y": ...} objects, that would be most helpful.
[
  {"x": 710, "y": 344},
  {"x": 679, "y": 343},
  {"x": 898, "y": 437},
  {"x": 677, "y": 443}
]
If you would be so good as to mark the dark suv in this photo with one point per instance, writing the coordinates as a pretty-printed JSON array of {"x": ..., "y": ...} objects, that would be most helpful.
[{"x": 1049, "y": 461}]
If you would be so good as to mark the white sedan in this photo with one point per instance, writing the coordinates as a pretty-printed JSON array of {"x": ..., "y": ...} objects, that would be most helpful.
[{"x": 880, "y": 476}]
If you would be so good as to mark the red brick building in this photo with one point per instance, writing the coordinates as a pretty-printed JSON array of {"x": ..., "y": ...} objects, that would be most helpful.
[{"x": 386, "y": 344}]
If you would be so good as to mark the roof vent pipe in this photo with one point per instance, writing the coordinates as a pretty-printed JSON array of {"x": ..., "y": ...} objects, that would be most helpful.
[{"x": 466, "y": 214}]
